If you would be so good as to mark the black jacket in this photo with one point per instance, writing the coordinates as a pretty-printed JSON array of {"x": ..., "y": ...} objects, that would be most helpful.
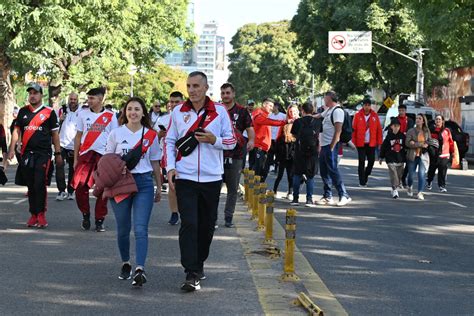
[{"x": 393, "y": 148}]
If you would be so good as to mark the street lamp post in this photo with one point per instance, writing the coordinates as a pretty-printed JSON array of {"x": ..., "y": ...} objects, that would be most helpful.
[{"x": 132, "y": 71}]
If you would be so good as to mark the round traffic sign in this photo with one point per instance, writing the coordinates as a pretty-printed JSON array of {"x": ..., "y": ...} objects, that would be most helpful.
[{"x": 338, "y": 42}]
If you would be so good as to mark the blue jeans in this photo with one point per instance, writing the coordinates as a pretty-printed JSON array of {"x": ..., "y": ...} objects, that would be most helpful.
[
  {"x": 296, "y": 187},
  {"x": 142, "y": 204},
  {"x": 421, "y": 173},
  {"x": 329, "y": 172}
]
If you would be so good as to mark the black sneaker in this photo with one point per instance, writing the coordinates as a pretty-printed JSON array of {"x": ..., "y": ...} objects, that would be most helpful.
[
  {"x": 309, "y": 203},
  {"x": 174, "y": 220},
  {"x": 295, "y": 203},
  {"x": 192, "y": 283},
  {"x": 139, "y": 278},
  {"x": 201, "y": 276},
  {"x": 99, "y": 225},
  {"x": 86, "y": 222},
  {"x": 126, "y": 272},
  {"x": 228, "y": 222}
]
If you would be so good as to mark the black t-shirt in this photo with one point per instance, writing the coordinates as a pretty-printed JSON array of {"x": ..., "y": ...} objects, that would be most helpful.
[
  {"x": 241, "y": 120},
  {"x": 39, "y": 124},
  {"x": 317, "y": 124}
]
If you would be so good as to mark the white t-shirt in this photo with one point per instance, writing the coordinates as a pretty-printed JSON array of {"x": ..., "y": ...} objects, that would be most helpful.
[
  {"x": 87, "y": 122},
  {"x": 279, "y": 117},
  {"x": 154, "y": 120},
  {"x": 328, "y": 128},
  {"x": 121, "y": 140},
  {"x": 367, "y": 130},
  {"x": 68, "y": 130}
]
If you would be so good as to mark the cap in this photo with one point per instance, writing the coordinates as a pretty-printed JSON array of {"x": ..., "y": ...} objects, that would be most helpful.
[
  {"x": 250, "y": 101},
  {"x": 96, "y": 91},
  {"x": 35, "y": 87}
]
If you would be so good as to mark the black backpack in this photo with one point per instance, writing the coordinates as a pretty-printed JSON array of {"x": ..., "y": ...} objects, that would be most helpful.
[
  {"x": 346, "y": 133},
  {"x": 307, "y": 138}
]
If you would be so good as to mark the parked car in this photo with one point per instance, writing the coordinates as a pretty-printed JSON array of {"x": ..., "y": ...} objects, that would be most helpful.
[{"x": 459, "y": 136}]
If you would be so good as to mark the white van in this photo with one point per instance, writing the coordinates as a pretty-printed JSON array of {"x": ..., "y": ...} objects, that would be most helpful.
[{"x": 413, "y": 108}]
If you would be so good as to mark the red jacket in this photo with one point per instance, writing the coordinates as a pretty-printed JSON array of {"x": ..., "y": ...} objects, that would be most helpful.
[
  {"x": 261, "y": 125},
  {"x": 359, "y": 126},
  {"x": 445, "y": 140}
]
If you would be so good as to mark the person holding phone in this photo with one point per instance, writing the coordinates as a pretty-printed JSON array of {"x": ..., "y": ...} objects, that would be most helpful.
[{"x": 197, "y": 175}]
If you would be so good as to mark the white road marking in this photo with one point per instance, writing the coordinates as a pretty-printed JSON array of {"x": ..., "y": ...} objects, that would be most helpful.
[
  {"x": 20, "y": 201},
  {"x": 457, "y": 204}
]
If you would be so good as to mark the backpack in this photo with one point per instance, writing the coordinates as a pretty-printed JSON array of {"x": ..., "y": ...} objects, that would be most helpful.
[
  {"x": 346, "y": 132},
  {"x": 307, "y": 139}
]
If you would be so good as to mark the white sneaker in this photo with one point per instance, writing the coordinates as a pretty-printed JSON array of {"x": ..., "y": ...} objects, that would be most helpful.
[
  {"x": 395, "y": 194},
  {"x": 326, "y": 201},
  {"x": 420, "y": 196},
  {"x": 442, "y": 190},
  {"x": 61, "y": 196},
  {"x": 289, "y": 197},
  {"x": 344, "y": 201},
  {"x": 71, "y": 196},
  {"x": 410, "y": 191}
]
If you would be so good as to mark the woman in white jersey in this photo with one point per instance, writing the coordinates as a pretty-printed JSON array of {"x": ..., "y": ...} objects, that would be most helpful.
[{"x": 135, "y": 132}]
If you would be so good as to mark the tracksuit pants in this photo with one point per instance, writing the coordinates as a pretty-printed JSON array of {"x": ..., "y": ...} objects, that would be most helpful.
[
  {"x": 232, "y": 179},
  {"x": 442, "y": 165},
  {"x": 68, "y": 157},
  {"x": 197, "y": 203},
  {"x": 364, "y": 153},
  {"x": 35, "y": 175}
]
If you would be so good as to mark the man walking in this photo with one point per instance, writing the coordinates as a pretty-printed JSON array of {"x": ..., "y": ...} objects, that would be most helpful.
[
  {"x": 197, "y": 173},
  {"x": 67, "y": 133},
  {"x": 366, "y": 136},
  {"x": 332, "y": 128},
  {"x": 405, "y": 124},
  {"x": 93, "y": 128},
  {"x": 37, "y": 126},
  {"x": 233, "y": 159},
  {"x": 263, "y": 140}
]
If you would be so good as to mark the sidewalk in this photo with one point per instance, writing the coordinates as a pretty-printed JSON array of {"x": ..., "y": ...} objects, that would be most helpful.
[{"x": 64, "y": 270}]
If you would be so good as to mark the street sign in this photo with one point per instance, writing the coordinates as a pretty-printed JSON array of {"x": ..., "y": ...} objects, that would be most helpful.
[
  {"x": 345, "y": 42},
  {"x": 388, "y": 102}
]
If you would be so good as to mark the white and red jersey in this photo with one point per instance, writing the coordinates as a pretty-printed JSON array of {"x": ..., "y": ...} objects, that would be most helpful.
[
  {"x": 121, "y": 140},
  {"x": 95, "y": 128},
  {"x": 206, "y": 162}
]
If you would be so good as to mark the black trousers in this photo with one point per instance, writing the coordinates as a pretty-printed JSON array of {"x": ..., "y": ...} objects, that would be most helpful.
[
  {"x": 271, "y": 157},
  {"x": 68, "y": 157},
  {"x": 286, "y": 164},
  {"x": 364, "y": 153},
  {"x": 442, "y": 165},
  {"x": 35, "y": 175},
  {"x": 251, "y": 158},
  {"x": 259, "y": 165},
  {"x": 197, "y": 204}
]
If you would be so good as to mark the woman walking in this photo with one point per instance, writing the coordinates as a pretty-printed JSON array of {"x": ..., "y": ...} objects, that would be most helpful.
[
  {"x": 285, "y": 150},
  {"x": 441, "y": 158},
  {"x": 138, "y": 145},
  {"x": 417, "y": 140}
]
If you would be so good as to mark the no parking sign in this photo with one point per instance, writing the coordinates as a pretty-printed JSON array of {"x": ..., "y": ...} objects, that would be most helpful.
[{"x": 344, "y": 42}]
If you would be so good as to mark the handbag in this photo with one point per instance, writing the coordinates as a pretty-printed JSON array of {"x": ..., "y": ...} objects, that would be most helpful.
[
  {"x": 132, "y": 158},
  {"x": 186, "y": 144}
]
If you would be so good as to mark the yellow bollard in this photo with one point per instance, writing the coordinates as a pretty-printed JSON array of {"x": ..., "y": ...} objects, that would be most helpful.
[
  {"x": 256, "y": 191},
  {"x": 246, "y": 184},
  {"x": 251, "y": 189},
  {"x": 289, "y": 264},
  {"x": 269, "y": 219},
  {"x": 262, "y": 200}
]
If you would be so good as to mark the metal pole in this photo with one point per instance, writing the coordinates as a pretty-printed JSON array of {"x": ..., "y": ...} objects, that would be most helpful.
[
  {"x": 312, "y": 91},
  {"x": 131, "y": 86}
]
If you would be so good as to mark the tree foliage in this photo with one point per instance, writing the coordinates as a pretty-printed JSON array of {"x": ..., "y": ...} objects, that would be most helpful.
[
  {"x": 263, "y": 56},
  {"x": 391, "y": 23},
  {"x": 80, "y": 42}
]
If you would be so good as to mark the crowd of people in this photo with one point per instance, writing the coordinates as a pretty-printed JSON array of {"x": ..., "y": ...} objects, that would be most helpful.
[{"x": 195, "y": 146}]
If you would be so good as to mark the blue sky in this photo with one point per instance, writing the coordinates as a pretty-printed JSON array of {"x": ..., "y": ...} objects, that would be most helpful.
[{"x": 232, "y": 14}]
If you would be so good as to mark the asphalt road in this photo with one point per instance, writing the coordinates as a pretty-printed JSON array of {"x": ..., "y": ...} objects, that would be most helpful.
[
  {"x": 381, "y": 256},
  {"x": 63, "y": 270}
]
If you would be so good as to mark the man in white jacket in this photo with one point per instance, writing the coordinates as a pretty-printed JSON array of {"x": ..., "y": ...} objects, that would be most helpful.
[{"x": 197, "y": 177}]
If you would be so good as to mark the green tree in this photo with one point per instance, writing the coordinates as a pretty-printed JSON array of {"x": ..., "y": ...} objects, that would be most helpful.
[
  {"x": 391, "y": 23},
  {"x": 78, "y": 43},
  {"x": 263, "y": 56}
]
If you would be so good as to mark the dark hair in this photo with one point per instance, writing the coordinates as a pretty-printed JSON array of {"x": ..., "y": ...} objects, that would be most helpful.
[
  {"x": 228, "y": 85},
  {"x": 198, "y": 73},
  {"x": 366, "y": 101},
  {"x": 268, "y": 100},
  {"x": 307, "y": 107},
  {"x": 402, "y": 106},
  {"x": 176, "y": 94},
  {"x": 145, "y": 121},
  {"x": 332, "y": 95}
]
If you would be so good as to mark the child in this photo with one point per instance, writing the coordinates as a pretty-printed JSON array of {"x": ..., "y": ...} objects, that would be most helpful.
[{"x": 394, "y": 153}]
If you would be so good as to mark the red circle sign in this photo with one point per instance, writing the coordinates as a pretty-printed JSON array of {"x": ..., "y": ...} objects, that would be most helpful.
[{"x": 338, "y": 42}]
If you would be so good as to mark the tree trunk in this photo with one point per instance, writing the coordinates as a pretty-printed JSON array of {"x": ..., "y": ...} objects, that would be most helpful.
[{"x": 7, "y": 97}]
